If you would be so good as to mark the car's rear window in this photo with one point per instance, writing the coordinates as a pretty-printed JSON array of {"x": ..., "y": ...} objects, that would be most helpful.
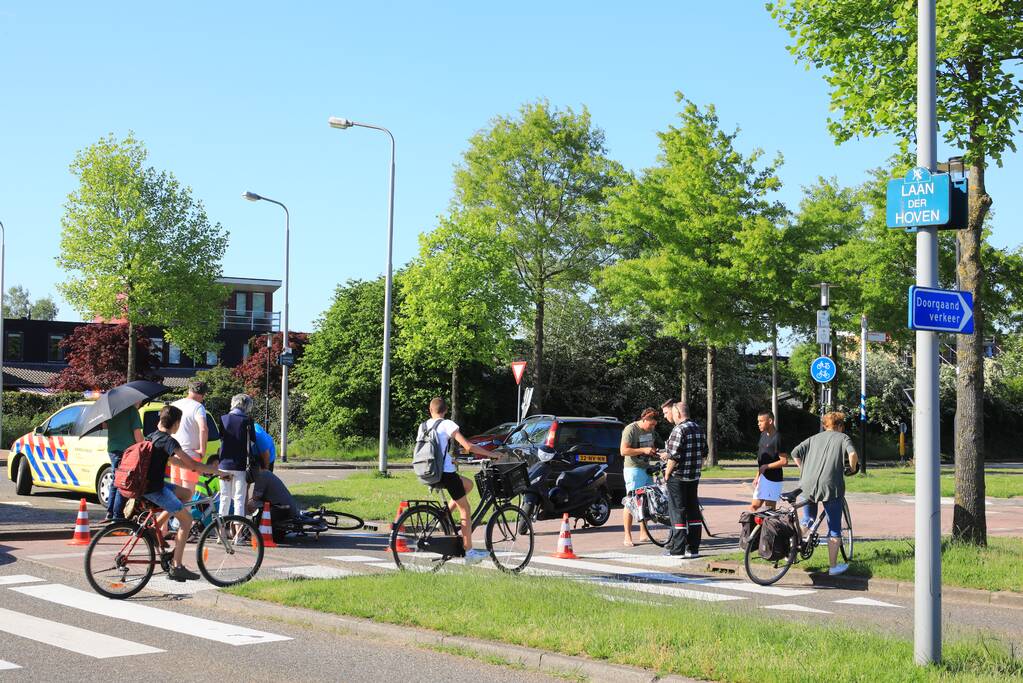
[{"x": 598, "y": 435}]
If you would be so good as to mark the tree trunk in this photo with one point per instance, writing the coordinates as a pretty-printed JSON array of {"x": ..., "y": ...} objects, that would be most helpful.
[
  {"x": 684, "y": 394},
  {"x": 538, "y": 354},
  {"x": 774, "y": 374},
  {"x": 456, "y": 406},
  {"x": 969, "y": 522},
  {"x": 712, "y": 447},
  {"x": 131, "y": 352}
]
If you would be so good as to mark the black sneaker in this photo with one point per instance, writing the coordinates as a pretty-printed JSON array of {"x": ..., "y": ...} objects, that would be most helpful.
[{"x": 182, "y": 574}]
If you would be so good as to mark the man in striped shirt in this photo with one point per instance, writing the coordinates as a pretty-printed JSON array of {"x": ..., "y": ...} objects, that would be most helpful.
[{"x": 686, "y": 447}]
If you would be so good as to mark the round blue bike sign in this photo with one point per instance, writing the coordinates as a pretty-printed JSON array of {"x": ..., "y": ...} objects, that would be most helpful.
[{"x": 823, "y": 370}]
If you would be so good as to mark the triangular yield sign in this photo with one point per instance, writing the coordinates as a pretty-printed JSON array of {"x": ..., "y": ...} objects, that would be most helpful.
[{"x": 518, "y": 369}]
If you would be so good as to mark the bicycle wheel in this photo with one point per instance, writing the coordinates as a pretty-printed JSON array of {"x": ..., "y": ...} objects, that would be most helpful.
[
  {"x": 847, "y": 533},
  {"x": 510, "y": 538},
  {"x": 230, "y": 551},
  {"x": 658, "y": 529},
  {"x": 765, "y": 572},
  {"x": 120, "y": 560},
  {"x": 346, "y": 522},
  {"x": 421, "y": 539}
]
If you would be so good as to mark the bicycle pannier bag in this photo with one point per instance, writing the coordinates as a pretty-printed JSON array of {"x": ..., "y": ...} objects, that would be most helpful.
[
  {"x": 133, "y": 471},
  {"x": 428, "y": 458},
  {"x": 746, "y": 524},
  {"x": 776, "y": 536}
]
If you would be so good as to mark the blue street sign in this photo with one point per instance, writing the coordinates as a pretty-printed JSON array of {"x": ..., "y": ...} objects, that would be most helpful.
[
  {"x": 920, "y": 199},
  {"x": 823, "y": 370},
  {"x": 940, "y": 310}
]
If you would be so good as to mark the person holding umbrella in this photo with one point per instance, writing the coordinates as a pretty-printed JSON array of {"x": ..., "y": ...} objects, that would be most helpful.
[{"x": 123, "y": 430}]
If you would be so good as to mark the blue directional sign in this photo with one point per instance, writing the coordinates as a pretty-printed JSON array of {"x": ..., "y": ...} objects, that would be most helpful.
[
  {"x": 823, "y": 370},
  {"x": 920, "y": 199},
  {"x": 940, "y": 310}
]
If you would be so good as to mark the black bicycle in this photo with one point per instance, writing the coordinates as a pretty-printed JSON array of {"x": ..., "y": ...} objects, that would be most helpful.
[
  {"x": 425, "y": 536},
  {"x": 650, "y": 504},
  {"x": 769, "y": 566}
]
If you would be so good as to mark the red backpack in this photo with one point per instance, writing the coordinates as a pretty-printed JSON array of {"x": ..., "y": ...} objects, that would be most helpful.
[{"x": 133, "y": 471}]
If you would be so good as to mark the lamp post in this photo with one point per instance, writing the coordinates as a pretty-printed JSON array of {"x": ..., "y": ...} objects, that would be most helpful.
[
  {"x": 3, "y": 238},
  {"x": 266, "y": 390},
  {"x": 385, "y": 374},
  {"x": 285, "y": 347}
]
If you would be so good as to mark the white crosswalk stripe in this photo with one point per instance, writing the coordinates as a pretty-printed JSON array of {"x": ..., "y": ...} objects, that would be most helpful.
[
  {"x": 317, "y": 571},
  {"x": 867, "y": 602},
  {"x": 12, "y": 579},
  {"x": 5, "y": 665},
  {"x": 70, "y": 638},
  {"x": 168, "y": 586},
  {"x": 354, "y": 558},
  {"x": 790, "y": 607},
  {"x": 149, "y": 616}
]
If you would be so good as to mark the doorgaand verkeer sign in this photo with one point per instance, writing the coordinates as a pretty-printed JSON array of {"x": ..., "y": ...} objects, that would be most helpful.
[
  {"x": 940, "y": 310},
  {"x": 920, "y": 199}
]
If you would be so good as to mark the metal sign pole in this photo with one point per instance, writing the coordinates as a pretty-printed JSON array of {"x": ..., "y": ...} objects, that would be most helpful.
[
  {"x": 927, "y": 591},
  {"x": 863, "y": 391}
]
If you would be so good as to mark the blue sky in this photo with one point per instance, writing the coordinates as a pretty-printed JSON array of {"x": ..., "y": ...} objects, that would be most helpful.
[{"x": 234, "y": 97}]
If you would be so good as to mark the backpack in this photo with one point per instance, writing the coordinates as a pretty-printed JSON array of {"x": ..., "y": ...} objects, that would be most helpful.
[
  {"x": 428, "y": 457},
  {"x": 747, "y": 522},
  {"x": 775, "y": 538},
  {"x": 132, "y": 473}
]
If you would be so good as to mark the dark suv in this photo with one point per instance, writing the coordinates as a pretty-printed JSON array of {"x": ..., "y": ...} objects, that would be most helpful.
[{"x": 599, "y": 437}]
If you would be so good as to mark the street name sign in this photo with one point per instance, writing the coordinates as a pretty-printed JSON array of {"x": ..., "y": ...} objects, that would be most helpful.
[
  {"x": 940, "y": 310},
  {"x": 823, "y": 327},
  {"x": 920, "y": 199},
  {"x": 878, "y": 337},
  {"x": 287, "y": 359},
  {"x": 823, "y": 370}
]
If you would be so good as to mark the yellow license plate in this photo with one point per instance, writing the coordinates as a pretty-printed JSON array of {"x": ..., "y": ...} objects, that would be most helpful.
[{"x": 592, "y": 458}]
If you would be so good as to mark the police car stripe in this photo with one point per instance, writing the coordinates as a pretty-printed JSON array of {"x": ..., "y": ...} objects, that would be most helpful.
[
  {"x": 71, "y": 474},
  {"x": 19, "y": 447},
  {"x": 48, "y": 454},
  {"x": 41, "y": 456}
]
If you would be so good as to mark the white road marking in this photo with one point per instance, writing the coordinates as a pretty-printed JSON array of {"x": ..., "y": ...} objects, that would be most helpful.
[
  {"x": 647, "y": 560},
  {"x": 317, "y": 571},
  {"x": 149, "y": 616},
  {"x": 163, "y": 584},
  {"x": 80, "y": 640},
  {"x": 381, "y": 565},
  {"x": 57, "y": 556},
  {"x": 353, "y": 558},
  {"x": 867, "y": 602},
  {"x": 789, "y": 607},
  {"x": 661, "y": 589},
  {"x": 18, "y": 578},
  {"x": 673, "y": 578},
  {"x": 21, "y": 503},
  {"x": 4, "y": 666}
]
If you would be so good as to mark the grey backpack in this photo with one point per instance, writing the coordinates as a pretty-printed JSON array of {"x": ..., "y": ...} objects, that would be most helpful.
[{"x": 427, "y": 457}]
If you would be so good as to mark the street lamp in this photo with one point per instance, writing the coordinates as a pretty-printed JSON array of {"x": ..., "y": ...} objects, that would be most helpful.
[
  {"x": 285, "y": 347},
  {"x": 385, "y": 374}
]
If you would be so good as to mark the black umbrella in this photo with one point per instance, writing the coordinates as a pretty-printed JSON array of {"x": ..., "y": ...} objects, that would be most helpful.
[{"x": 115, "y": 402}]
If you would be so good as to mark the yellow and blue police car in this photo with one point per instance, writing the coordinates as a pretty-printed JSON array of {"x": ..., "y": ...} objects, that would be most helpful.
[{"x": 53, "y": 456}]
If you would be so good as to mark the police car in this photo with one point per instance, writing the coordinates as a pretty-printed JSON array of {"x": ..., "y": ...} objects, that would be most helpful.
[{"x": 53, "y": 456}]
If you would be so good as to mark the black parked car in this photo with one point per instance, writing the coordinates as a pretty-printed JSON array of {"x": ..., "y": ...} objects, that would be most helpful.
[{"x": 599, "y": 439}]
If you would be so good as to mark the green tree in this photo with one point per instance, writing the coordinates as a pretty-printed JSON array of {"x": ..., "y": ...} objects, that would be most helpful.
[
  {"x": 138, "y": 247},
  {"x": 457, "y": 299},
  {"x": 683, "y": 230},
  {"x": 867, "y": 50},
  {"x": 539, "y": 181},
  {"x": 44, "y": 309},
  {"x": 17, "y": 302}
]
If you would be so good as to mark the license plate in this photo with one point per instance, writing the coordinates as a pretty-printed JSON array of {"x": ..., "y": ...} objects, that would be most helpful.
[{"x": 592, "y": 458}]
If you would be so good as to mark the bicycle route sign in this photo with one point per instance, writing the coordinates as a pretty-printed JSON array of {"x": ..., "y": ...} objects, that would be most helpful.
[
  {"x": 940, "y": 310},
  {"x": 920, "y": 199},
  {"x": 823, "y": 370}
]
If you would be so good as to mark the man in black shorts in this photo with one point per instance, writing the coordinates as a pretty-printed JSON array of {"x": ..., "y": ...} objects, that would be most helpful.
[{"x": 457, "y": 486}]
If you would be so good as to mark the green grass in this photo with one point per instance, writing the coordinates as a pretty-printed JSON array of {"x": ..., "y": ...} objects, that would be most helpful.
[
  {"x": 312, "y": 447},
  {"x": 994, "y": 568},
  {"x": 367, "y": 494},
  {"x": 690, "y": 639}
]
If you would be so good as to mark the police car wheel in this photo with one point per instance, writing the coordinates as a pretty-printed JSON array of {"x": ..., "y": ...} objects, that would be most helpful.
[
  {"x": 23, "y": 480},
  {"x": 104, "y": 480}
]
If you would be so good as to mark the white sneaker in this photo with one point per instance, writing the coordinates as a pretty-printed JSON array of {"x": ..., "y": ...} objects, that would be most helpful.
[
  {"x": 838, "y": 569},
  {"x": 690, "y": 555},
  {"x": 474, "y": 556}
]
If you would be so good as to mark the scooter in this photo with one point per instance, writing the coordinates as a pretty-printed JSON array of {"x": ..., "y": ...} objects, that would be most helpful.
[{"x": 558, "y": 485}]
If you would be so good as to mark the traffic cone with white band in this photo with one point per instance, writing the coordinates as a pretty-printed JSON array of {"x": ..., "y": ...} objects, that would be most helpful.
[
  {"x": 266, "y": 528},
  {"x": 400, "y": 546},
  {"x": 565, "y": 541},
  {"x": 81, "y": 536}
]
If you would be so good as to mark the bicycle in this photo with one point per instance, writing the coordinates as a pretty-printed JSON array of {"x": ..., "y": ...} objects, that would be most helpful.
[
  {"x": 425, "y": 536},
  {"x": 652, "y": 504},
  {"x": 766, "y": 571},
  {"x": 122, "y": 558}
]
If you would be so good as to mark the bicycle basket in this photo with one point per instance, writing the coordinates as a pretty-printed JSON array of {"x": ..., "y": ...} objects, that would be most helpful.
[{"x": 504, "y": 480}]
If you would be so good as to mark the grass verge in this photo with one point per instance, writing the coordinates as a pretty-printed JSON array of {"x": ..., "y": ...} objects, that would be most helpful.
[
  {"x": 994, "y": 568},
  {"x": 367, "y": 494},
  {"x": 697, "y": 640},
  {"x": 313, "y": 447}
]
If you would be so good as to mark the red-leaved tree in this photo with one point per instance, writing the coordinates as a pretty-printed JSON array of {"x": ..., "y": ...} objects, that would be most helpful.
[
  {"x": 97, "y": 358},
  {"x": 252, "y": 372}
]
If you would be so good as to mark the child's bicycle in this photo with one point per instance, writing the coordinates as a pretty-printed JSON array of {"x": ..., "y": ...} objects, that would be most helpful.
[
  {"x": 122, "y": 557},
  {"x": 425, "y": 536}
]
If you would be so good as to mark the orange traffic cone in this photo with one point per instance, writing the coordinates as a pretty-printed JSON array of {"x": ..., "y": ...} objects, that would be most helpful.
[
  {"x": 565, "y": 541},
  {"x": 81, "y": 536},
  {"x": 400, "y": 546},
  {"x": 266, "y": 529}
]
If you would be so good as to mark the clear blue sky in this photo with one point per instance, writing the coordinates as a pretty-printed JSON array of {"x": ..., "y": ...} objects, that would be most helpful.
[{"x": 234, "y": 97}]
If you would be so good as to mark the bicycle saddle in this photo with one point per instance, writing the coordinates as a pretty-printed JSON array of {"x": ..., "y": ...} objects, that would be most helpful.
[
  {"x": 791, "y": 496},
  {"x": 578, "y": 476}
]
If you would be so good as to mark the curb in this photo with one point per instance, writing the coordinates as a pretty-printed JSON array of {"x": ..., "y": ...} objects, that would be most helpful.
[
  {"x": 531, "y": 658},
  {"x": 49, "y": 534},
  {"x": 970, "y": 596},
  {"x": 336, "y": 465}
]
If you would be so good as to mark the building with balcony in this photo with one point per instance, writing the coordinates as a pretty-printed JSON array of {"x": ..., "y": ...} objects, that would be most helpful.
[{"x": 32, "y": 356}]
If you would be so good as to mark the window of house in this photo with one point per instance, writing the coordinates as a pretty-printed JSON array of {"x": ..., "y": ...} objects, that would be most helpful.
[
  {"x": 156, "y": 347},
  {"x": 15, "y": 346},
  {"x": 245, "y": 350},
  {"x": 174, "y": 354},
  {"x": 54, "y": 353},
  {"x": 259, "y": 302},
  {"x": 239, "y": 303},
  {"x": 211, "y": 358}
]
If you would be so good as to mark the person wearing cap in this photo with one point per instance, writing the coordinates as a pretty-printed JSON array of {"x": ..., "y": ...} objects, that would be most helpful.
[
  {"x": 639, "y": 445},
  {"x": 192, "y": 433}
]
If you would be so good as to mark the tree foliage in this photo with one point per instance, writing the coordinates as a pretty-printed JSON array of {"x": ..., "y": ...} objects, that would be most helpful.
[
  {"x": 138, "y": 247},
  {"x": 97, "y": 358},
  {"x": 18, "y": 304},
  {"x": 252, "y": 373}
]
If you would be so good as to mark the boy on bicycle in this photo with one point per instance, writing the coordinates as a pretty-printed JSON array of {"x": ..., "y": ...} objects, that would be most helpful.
[
  {"x": 457, "y": 486},
  {"x": 170, "y": 496}
]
